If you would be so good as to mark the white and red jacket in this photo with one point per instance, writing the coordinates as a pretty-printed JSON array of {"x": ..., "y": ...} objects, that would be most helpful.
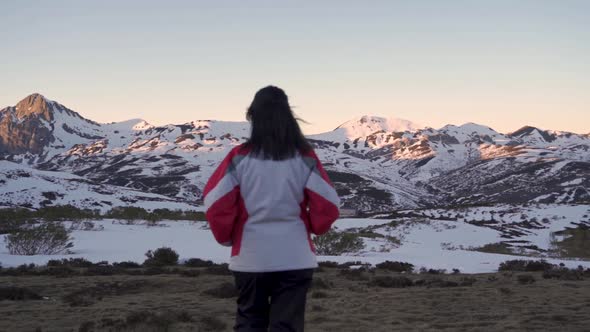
[{"x": 267, "y": 209}]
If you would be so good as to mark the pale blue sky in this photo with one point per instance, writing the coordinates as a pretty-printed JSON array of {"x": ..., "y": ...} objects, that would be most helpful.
[{"x": 499, "y": 63}]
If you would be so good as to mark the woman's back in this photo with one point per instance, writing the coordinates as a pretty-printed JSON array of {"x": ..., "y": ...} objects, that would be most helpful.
[
  {"x": 276, "y": 205},
  {"x": 275, "y": 237},
  {"x": 265, "y": 200}
]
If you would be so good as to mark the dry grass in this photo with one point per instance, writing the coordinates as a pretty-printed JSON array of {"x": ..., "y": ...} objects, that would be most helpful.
[{"x": 376, "y": 300}]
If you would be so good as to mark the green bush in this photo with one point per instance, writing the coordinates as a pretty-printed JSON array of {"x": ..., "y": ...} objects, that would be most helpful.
[
  {"x": 11, "y": 225},
  {"x": 197, "y": 262},
  {"x": 161, "y": 257},
  {"x": 336, "y": 243},
  {"x": 45, "y": 239},
  {"x": 65, "y": 212},
  {"x": 71, "y": 262},
  {"x": 127, "y": 265},
  {"x": 526, "y": 265},
  {"x": 574, "y": 242},
  {"x": 328, "y": 264},
  {"x": 396, "y": 266}
]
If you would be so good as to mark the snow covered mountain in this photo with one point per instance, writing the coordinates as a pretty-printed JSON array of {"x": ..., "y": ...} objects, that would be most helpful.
[{"x": 376, "y": 164}]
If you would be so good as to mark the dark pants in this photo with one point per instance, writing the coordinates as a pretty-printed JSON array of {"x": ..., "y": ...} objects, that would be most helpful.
[{"x": 272, "y": 299}]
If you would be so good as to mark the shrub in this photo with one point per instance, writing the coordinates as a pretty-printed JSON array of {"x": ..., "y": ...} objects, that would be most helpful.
[
  {"x": 391, "y": 282},
  {"x": 525, "y": 265},
  {"x": 21, "y": 270},
  {"x": 11, "y": 225},
  {"x": 71, "y": 262},
  {"x": 102, "y": 270},
  {"x": 65, "y": 212},
  {"x": 327, "y": 264},
  {"x": 46, "y": 239},
  {"x": 336, "y": 243},
  {"x": 128, "y": 213},
  {"x": 127, "y": 265},
  {"x": 564, "y": 274},
  {"x": 218, "y": 269},
  {"x": 396, "y": 266},
  {"x": 348, "y": 264},
  {"x": 59, "y": 271},
  {"x": 161, "y": 257},
  {"x": 197, "y": 262},
  {"x": 432, "y": 271},
  {"x": 572, "y": 242}
]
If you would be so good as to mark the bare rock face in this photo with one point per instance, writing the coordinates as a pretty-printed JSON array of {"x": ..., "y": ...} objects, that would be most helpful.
[
  {"x": 32, "y": 106},
  {"x": 24, "y": 127}
]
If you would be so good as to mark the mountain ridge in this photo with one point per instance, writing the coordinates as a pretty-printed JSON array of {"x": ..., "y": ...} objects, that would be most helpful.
[
  {"x": 357, "y": 118},
  {"x": 376, "y": 163}
]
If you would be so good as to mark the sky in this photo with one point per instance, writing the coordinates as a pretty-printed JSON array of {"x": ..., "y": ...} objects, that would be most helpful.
[{"x": 499, "y": 63}]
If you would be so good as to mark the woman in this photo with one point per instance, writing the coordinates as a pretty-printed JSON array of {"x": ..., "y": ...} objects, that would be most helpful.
[{"x": 264, "y": 200}]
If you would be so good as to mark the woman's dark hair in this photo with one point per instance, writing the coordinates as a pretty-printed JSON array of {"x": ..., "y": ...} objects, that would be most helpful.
[{"x": 275, "y": 132}]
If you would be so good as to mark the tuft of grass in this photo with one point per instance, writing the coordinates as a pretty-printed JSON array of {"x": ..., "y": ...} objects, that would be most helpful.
[
  {"x": 224, "y": 290},
  {"x": 354, "y": 274},
  {"x": 190, "y": 273},
  {"x": 391, "y": 282},
  {"x": 525, "y": 279},
  {"x": 89, "y": 295},
  {"x": 319, "y": 283},
  {"x": 212, "y": 323}
]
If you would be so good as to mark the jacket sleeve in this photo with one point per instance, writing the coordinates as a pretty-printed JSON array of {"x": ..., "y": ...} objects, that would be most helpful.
[
  {"x": 220, "y": 197},
  {"x": 322, "y": 199}
]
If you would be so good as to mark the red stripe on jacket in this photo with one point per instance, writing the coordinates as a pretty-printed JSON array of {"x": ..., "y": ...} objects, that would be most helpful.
[{"x": 223, "y": 214}]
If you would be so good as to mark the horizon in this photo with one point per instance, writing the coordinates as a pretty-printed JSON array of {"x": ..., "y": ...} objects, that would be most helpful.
[
  {"x": 504, "y": 65},
  {"x": 301, "y": 123}
]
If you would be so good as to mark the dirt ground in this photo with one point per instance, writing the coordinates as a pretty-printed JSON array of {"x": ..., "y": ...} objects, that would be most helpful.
[{"x": 202, "y": 299}]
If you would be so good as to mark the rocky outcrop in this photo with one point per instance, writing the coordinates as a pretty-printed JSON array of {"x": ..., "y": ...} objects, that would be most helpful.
[{"x": 28, "y": 127}]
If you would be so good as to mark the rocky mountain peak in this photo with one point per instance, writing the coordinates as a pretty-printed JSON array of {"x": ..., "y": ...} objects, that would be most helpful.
[
  {"x": 528, "y": 131},
  {"x": 34, "y": 104},
  {"x": 368, "y": 124}
]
